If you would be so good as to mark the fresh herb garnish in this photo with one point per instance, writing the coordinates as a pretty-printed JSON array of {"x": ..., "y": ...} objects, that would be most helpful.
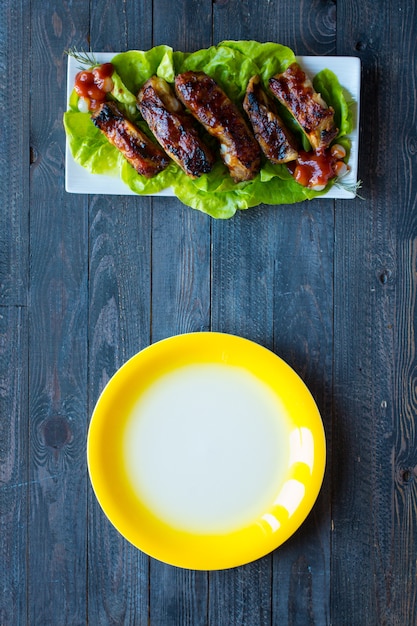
[
  {"x": 85, "y": 59},
  {"x": 350, "y": 187}
]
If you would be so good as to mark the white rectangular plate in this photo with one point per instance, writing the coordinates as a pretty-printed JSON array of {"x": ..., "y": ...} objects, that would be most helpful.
[{"x": 347, "y": 69}]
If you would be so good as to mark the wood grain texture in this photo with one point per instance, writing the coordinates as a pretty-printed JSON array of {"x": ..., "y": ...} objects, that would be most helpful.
[
  {"x": 307, "y": 27},
  {"x": 375, "y": 369},
  {"x": 13, "y": 464},
  {"x": 241, "y": 292},
  {"x": 241, "y": 595},
  {"x": 57, "y": 343},
  {"x": 180, "y": 271},
  {"x": 177, "y": 596},
  {"x": 15, "y": 155},
  {"x": 119, "y": 321},
  {"x": 303, "y": 333}
]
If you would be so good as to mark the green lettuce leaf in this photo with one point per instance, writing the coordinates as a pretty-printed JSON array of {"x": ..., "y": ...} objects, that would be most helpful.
[
  {"x": 229, "y": 68},
  {"x": 141, "y": 185},
  {"x": 326, "y": 83},
  {"x": 121, "y": 93},
  {"x": 270, "y": 58},
  {"x": 136, "y": 66},
  {"x": 231, "y": 64}
]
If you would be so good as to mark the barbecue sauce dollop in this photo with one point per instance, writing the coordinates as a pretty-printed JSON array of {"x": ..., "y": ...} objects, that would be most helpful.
[
  {"x": 94, "y": 84},
  {"x": 314, "y": 169}
]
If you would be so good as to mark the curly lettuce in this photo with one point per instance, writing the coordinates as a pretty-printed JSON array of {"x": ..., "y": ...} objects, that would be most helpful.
[{"x": 231, "y": 64}]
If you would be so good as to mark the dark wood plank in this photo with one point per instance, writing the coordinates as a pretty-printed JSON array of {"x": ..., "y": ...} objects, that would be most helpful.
[
  {"x": 241, "y": 595},
  {"x": 14, "y": 194},
  {"x": 119, "y": 326},
  {"x": 13, "y": 464},
  {"x": 183, "y": 24},
  {"x": 272, "y": 282},
  {"x": 58, "y": 339},
  {"x": 303, "y": 337},
  {"x": 180, "y": 300},
  {"x": 177, "y": 596},
  {"x": 243, "y": 269},
  {"x": 180, "y": 270},
  {"x": 120, "y": 286},
  {"x": 57, "y": 410},
  {"x": 374, "y": 509},
  {"x": 306, "y": 27},
  {"x": 15, "y": 153},
  {"x": 303, "y": 334}
]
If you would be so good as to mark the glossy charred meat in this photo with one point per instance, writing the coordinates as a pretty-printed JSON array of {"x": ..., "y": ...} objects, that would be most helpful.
[
  {"x": 173, "y": 127},
  {"x": 295, "y": 91},
  {"x": 142, "y": 153},
  {"x": 276, "y": 141},
  {"x": 223, "y": 120}
]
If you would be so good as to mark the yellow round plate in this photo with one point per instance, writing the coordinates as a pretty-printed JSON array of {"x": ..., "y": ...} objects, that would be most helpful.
[{"x": 206, "y": 451}]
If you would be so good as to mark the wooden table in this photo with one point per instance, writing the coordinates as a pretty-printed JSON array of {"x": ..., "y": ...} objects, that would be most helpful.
[{"x": 87, "y": 281}]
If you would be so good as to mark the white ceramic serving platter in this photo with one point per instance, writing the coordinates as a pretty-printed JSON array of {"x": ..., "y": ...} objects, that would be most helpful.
[{"x": 347, "y": 69}]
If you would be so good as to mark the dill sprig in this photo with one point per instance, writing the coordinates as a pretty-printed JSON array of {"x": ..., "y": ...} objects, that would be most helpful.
[
  {"x": 85, "y": 59},
  {"x": 350, "y": 187}
]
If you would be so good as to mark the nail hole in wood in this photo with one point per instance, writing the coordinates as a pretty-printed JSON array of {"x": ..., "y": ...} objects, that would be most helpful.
[
  {"x": 406, "y": 475},
  {"x": 33, "y": 155},
  {"x": 384, "y": 277}
]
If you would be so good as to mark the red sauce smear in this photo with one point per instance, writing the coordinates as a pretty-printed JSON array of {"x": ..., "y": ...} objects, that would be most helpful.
[
  {"x": 314, "y": 169},
  {"x": 93, "y": 85}
]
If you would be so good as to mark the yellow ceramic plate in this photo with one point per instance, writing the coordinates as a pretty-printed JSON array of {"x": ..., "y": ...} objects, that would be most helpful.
[{"x": 206, "y": 451}]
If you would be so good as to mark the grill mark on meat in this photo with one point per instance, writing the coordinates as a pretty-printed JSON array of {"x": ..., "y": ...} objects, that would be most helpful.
[
  {"x": 276, "y": 141},
  {"x": 295, "y": 91},
  {"x": 173, "y": 127},
  {"x": 208, "y": 103},
  {"x": 142, "y": 153}
]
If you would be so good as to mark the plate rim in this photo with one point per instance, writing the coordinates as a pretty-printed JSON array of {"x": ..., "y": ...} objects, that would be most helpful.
[{"x": 191, "y": 550}]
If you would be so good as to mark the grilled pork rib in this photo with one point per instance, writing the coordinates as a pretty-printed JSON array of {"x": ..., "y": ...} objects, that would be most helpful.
[
  {"x": 143, "y": 154},
  {"x": 223, "y": 120},
  {"x": 173, "y": 127},
  {"x": 276, "y": 141},
  {"x": 295, "y": 91}
]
